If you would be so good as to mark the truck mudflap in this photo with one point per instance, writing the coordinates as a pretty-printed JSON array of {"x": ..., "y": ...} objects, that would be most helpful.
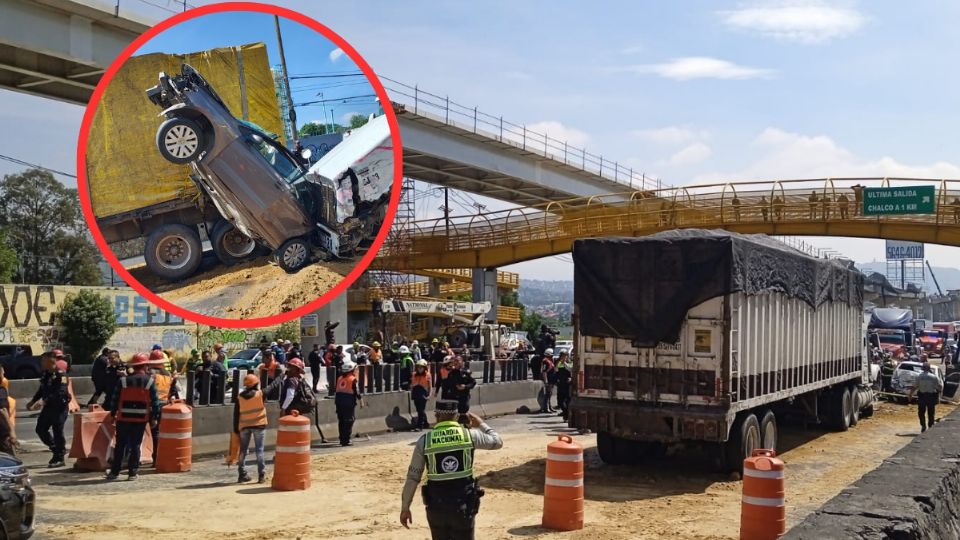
[{"x": 638, "y": 422}]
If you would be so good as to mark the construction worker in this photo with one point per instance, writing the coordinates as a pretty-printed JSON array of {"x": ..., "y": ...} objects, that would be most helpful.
[
  {"x": 813, "y": 204},
  {"x": 437, "y": 354},
  {"x": 328, "y": 331},
  {"x": 134, "y": 405},
  {"x": 166, "y": 385},
  {"x": 406, "y": 366},
  {"x": 736, "y": 207},
  {"x": 927, "y": 388},
  {"x": 457, "y": 386},
  {"x": 53, "y": 400},
  {"x": 295, "y": 393},
  {"x": 843, "y": 203},
  {"x": 548, "y": 374},
  {"x": 764, "y": 208},
  {"x": 420, "y": 392},
  {"x": 167, "y": 365},
  {"x": 778, "y": 208},
  {"x": 194, "y": 360},
  {"x": 564, "y": 380},
  {"x": 451, "y": 494},
  {"x": 220, "y": 353},
  {"x": 8, "y": 434},
  {"x": 250, "y": 421},
  {"x": 376, "y": 355},
  {"x": 346, "y": 399},
  {"x": 415, "y": 351}
]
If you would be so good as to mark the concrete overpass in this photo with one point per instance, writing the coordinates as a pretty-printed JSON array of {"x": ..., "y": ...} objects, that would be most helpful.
[{"x": 58, "y": 49}]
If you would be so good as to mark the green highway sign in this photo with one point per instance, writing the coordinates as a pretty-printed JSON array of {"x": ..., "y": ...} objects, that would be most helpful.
[{"x": 899, "y": 200}]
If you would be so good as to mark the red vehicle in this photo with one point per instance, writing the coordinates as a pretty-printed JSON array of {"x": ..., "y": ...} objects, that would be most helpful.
[
  {"x": 932, "y": 342},
  {"x": 894, "y": 342}
]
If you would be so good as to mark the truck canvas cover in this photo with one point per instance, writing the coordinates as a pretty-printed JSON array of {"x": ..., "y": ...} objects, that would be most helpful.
[
  {"x": 641, "y": 288},
  {"x": 891, "y": 318}
]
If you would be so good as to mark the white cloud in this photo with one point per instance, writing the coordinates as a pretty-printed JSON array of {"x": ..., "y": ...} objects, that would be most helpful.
[
  {"x": 803, "y": 22},
  {"x": 556, "y": 130},
  {"x": 336, "y": 54},
  {"x": 697, "y": 67},
  {"x": 787, "y": 155},
  {"x": 632, "y": 49},
  {"x": 670, "y": 135},
  {"x": 345, "y": 117},
  {"x": 691, "y": 155}
]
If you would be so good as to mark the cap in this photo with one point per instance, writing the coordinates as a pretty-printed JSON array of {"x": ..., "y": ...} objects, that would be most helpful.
[
  {"x": 193, "y": 352},
  {"x": 156, "y": 347},
  {"x": 446, "y": 406}
]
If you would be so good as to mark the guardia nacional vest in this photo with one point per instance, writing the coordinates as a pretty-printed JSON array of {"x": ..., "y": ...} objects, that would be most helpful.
[{"x": 449, "y": 452}]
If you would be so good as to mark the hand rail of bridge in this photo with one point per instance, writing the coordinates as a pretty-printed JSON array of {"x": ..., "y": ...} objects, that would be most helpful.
[
  {"x": 441, "y": 108},
  {"x": 709, "y": 205}
]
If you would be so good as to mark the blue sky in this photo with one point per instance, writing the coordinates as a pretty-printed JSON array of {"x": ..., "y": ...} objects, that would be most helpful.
[{"x": 690, "y": 92}]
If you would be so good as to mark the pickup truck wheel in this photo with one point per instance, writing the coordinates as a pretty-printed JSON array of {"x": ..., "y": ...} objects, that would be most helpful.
[
  {"x": 745, "y": 437},
  {"x": 229, "y": 244},
  {"x": 768, "y": 431},
  {"x": 173, "y": 251},
  {"x": 607, "y": 448},
  {"x": 180, "y": 140},
  {"x": 293, "y": 255}
]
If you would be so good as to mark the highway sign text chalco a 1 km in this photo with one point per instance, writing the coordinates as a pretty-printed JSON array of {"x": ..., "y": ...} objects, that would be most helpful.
[{"x": 899, "y": 200}]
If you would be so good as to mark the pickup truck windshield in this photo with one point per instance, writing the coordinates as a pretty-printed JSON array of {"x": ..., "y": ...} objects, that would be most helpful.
[
  {"x": 277, "y": 159},
  {"x": 891, "y": 338}
]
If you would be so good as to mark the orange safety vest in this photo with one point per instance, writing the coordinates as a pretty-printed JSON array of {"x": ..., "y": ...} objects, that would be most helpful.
[
  {"x": 252, "y": 411},
  {"x": 375, "y": 356},
  {"x": 272, "y": 369},
  {"x": 134, "y": 403},
  {"x": 345, "y": 383},
  {"x": 421, "y": 380},
  {"x": 163, "y": 383},
  {"x": 443, "y": 373}
]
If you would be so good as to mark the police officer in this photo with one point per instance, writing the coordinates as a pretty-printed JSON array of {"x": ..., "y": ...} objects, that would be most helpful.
[
  {"x": 457, "y": 385},
  {"x": 927, "y": 388},
  {"x": 451, "y": 495},
  {"x": 134, "y": 405},
  {"x": 346, "y": 399},
  {"x": 55, "y": 396}
]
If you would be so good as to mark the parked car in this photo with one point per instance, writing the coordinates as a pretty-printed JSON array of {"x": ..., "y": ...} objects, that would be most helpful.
[
  {"x": 17, "y": 499},
  {"x": 243, "y": 359},
  {"x": 905, "y": 376},
  {"x": 263, "y": 191},
  {"x": 19, "y": 362}
]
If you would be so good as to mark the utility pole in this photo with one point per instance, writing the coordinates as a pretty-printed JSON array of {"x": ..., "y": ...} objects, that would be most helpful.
[
  {"x": 286, "y": 84},
  {"x": 446, "y": 208}
]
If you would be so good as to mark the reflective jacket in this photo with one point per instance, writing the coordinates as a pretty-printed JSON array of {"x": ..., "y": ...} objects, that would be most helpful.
[
  {"x": 163, "y": 383},
  {"x": 449, "y": 452},
  {"x": 253, "y": 413},
  {"x": 137, "y": 394}
]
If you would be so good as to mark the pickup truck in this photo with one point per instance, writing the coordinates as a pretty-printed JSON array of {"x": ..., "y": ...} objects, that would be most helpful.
[{"x": 19, "y": 362}]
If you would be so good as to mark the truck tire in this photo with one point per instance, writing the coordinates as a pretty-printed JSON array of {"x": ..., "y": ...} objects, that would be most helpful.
[
  {"x": 173, "y": 251},
  {"x": 458, "y": 339},
  {"x": 854, "y": 406},
  {"x": 229, "y": 244},
  {"x": 293, "y": 255},
  {"x": 745, "y": 437},
  {"x": 769, "y": 436},
  {"x": 607, "y": 448},
  {"x": 180, "y": 140},
  {"x": 840, "y": 403}
]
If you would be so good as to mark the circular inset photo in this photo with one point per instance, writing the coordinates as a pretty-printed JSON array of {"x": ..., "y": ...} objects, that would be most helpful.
[{"x": 239, "y": 168}]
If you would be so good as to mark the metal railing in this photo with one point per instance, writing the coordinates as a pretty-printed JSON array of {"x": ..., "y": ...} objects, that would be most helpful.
[
  {"x": 442, "y": 109},
  {"x": 777, "y": 207}
]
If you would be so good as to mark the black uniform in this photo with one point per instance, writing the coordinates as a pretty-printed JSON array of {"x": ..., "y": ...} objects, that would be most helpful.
[
  {"x": 314, "y": 359},
  {"x": 346, "y": 398},
  {"x": 449, "y": 390},
  {"x": 564, "y": 380},
  {"x": 98, "y": 374},
  {"x": 56, "y": 401}
]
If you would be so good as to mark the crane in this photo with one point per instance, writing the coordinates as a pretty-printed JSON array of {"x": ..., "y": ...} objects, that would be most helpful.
[{"x": 940, "y": 292}]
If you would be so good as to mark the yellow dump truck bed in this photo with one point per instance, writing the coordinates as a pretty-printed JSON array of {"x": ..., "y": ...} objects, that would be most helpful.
[{"x": 124, "y": 169}]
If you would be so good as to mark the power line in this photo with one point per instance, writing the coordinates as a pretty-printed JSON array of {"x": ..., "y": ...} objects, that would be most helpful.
[{"x": 35, "y": 166}]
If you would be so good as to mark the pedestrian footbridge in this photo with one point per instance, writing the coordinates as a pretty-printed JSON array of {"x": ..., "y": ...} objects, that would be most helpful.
[{"x": 808, "y": 207}]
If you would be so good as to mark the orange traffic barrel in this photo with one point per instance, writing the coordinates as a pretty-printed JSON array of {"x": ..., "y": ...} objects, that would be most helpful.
[
  {"x": 563, "y": 487},
  {"x": 12, "y": 410},
  {"x": 175, "y": 447},
  {"x": 762, "y": 510},
  {"x": 291, "y": 466},
  {"x": 91, "y": 439},
  {"x": 233, "y": 450}
]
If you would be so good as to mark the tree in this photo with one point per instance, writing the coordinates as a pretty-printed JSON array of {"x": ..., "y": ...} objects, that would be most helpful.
[
  {"x": 289, "y": 330},
  {"x": 88, "y": 322},
  {"x": 8, "y": 259},
  {"x": 313, "y": 128},
  {"x": 530, "y": 323},
  {"x": 358, "y": 120},
  {"x": 42, "y": 217}
]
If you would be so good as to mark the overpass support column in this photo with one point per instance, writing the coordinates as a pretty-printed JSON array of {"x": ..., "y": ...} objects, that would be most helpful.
[
  {"x": 485, "y": 289},
  {"x": 335, "y": 310}
]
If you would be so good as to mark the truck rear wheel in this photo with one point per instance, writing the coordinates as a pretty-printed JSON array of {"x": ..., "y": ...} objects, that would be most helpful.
[
  {"x": 768, "y": 431},
  {"x": 230, "y": 245},
  {"x": 854, "y": 406},
  {"x": 840, "y": 406},
  {"x": 745, "y": 437},
  {"x": 607, "y": 448},
  {"x": 173, "y": 251}
]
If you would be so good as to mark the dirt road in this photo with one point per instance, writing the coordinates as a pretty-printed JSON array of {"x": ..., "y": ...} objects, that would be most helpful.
[
  {"x": 356, "y": 492},
  {"x": 257, "y": 288}
]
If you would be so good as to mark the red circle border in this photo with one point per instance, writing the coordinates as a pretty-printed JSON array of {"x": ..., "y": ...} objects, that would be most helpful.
[{"x": 343, "y": 284}]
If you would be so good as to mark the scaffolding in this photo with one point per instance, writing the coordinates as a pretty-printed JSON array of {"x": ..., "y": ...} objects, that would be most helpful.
[
  {"x": 904, "y": 272},
  {"x": 397, "y": 284},
  {"x": 284, "y": 101}
]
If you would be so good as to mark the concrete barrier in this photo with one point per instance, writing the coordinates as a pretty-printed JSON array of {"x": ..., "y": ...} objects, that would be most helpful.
[
  {"x": 914, "y": 495},
  {"x": 23, "y": 389}
]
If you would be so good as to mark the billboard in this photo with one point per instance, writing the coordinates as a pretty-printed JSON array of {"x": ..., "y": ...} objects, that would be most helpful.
[{"x": 899, "y": 250}]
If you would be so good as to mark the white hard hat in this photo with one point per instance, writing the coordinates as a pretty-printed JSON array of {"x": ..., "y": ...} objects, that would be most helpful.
[
  {"x": 415, "y": 342},
  {"x": 287, "y": 342},
  {"x": 548, "y": 352},
  {"x": 273, "y": 343},
  {"x": 348, "y": 366},
  {"x": 404, "y": 349},
  {"x": 422, "y": 362}
]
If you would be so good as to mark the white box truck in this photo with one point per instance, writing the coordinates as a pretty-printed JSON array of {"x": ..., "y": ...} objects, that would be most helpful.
[{"x": 711, "y": 336}]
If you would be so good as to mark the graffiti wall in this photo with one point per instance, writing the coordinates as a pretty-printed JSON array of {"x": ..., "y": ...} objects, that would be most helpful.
[{"x": 28, "y": 317}]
